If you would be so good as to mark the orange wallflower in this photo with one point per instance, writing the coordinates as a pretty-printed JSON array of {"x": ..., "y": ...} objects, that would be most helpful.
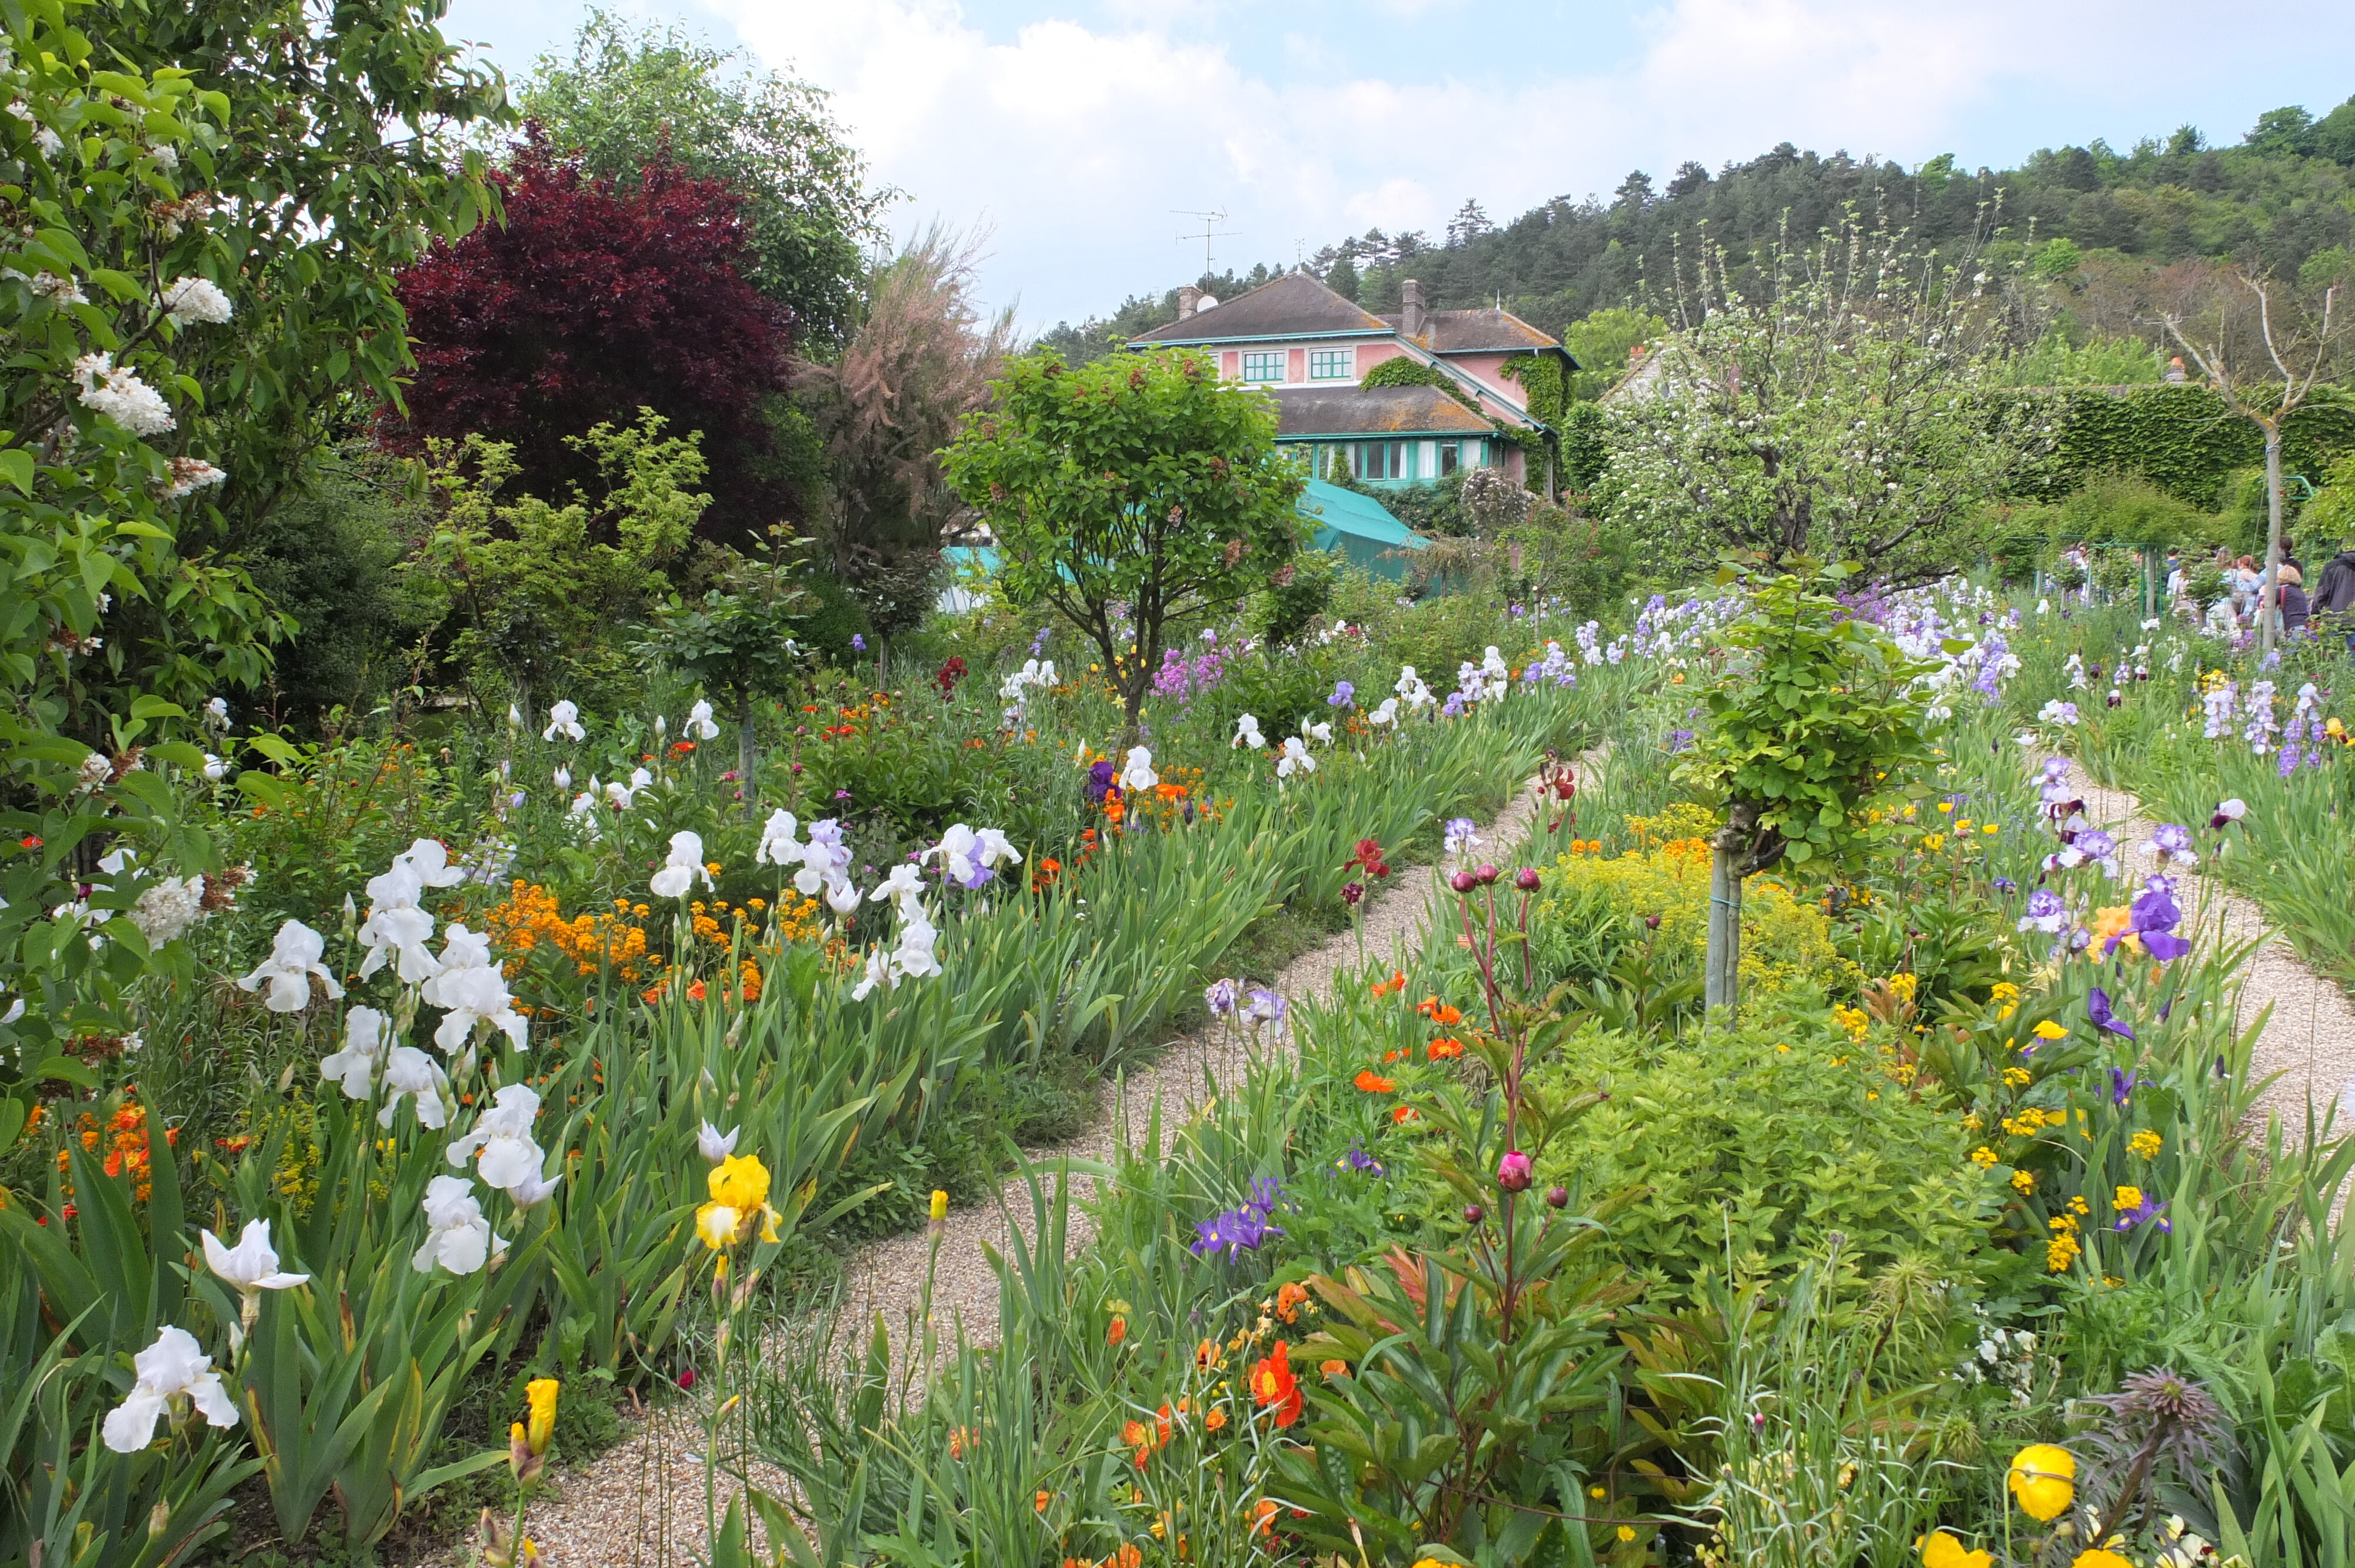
[
  {"x": 1288, "y": 1300},
  {"x": 1374, "y": 1083}
]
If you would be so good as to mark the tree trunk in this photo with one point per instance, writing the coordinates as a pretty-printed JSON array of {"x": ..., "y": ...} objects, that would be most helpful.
[
  {"x": 747, "y": 759},
  {"x": 2268, "y": 606},
  {"x": 1722, "y": 964}
]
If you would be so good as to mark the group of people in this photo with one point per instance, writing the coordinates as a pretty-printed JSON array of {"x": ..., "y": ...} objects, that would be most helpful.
[{"x": 2328, "y": 608}]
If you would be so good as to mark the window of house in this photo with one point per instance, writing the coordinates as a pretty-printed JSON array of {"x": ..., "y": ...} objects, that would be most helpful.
[
  {"x": 1447, "y": 458},
  {"x": 1263, "y": 367},
  {"x": 1331, "y": 364},
  {"x": 1381, "y": 460}
]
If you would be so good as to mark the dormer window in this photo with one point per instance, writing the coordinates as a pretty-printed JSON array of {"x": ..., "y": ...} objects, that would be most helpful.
[
  {"x": 1332, "y": 364},
  {"x": 1263, "y": 367}
]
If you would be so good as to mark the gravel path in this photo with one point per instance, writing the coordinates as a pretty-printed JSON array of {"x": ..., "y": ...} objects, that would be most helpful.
[
  {"x": 2308, "y": 1045},
  {"x": 641, "y": 1502}
]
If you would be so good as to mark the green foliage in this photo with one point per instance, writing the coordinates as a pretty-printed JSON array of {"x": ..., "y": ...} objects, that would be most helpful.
[
  {"x": 328, "y": 556},
  {"x": 1403, "y": 371},
  {"x": 2056, "y": 361},
  {"x": 2183, "y": 439},
  {"x": 1811, "y": 719},
  {"x": 627, "y": 97},
  {"x": 1149, "y": 483},
  {"x": 1601, "y": 345},
  {"x": 533, "y": 584},
  {"x": 1751, "y": 1147},
  {"x": 1297, "y": 598}
]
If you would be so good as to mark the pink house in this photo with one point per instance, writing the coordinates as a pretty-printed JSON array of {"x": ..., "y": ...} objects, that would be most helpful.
[{"x": 1311, "y": 349}]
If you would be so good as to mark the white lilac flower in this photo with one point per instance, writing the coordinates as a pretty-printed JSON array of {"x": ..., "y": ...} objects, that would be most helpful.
[
  {"x": 117, "y": 392},
  {"x": 189, "y": 475},
  {"x": 293, "y": 960},
  {"x": 460, "y": 1239},
  {"x": 191, "y": 300},
  {"x": 698, "y": 725},
  {"x": 412, "y": 1073},
  {"x": 778, "y": 844},
  {"x": 173, "y": 1368},
  {"x": 367, "y": 1033},
  {"x": 1138, "y": 774},
  {"x": 1295, "y": 759},
  {"x": 95, "y": 770},
  {"x": 168, "y": 908},
  {"x": 715, "y": 1145},
  {"x": 48, "y": 286},
  {"x": 1247, "y": 734},
  {"x": 501, "y": 1141},
  {"x": 564, "y": 719},
  {"x": 682, "y": 869}
]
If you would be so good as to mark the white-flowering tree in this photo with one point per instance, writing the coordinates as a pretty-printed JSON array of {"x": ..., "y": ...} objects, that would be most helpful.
[{"x": 1835, "y": 411}]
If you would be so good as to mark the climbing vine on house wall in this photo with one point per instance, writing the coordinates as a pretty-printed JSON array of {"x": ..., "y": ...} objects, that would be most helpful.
[{"x": 1405, "y": 371}]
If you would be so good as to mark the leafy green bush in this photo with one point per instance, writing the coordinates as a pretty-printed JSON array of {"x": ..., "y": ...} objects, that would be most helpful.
[{"x": 1753, "y": 1144}]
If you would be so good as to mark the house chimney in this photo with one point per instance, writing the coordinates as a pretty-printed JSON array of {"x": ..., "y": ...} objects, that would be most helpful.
[
  {"x": 1188, "y": 300},
  {"x": 1410, "y": 316}
]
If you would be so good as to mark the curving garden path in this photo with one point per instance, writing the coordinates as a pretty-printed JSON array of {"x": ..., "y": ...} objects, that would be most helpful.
[
  {"x": 2308, "y": 1045},
  {"x": 641, "y": 1502}
]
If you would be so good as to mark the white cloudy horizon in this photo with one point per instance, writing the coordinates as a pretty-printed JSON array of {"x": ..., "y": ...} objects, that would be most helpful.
[{"x": 1076, "y": 136}]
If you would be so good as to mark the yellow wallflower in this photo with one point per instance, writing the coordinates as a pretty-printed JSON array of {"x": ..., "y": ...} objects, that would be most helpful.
[
  {"x": 2127, "y": 1198},
  {"x": 2023, "y": 1182},
  {"x": 2004, "y": 990},
  {"x": 1982, "y": 1156},
  {"x": 2049, "y": 1030},
  {"x": 2146, "y": 1143}
]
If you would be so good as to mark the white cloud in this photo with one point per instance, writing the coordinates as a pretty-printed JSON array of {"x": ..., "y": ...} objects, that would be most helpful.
[{"x": 1075, "y": 141}]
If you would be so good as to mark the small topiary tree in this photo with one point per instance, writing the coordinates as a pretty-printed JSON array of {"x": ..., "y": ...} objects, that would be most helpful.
[{"x": 1813, "y": 718}]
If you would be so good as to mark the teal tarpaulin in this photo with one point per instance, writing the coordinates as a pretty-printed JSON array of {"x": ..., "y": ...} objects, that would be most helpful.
[{"x": 1360, "y": 528}]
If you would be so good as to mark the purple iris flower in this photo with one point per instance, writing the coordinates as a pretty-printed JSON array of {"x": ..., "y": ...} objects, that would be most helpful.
[
  {"x": 2006, "y": 884},
  {"x": 1680, "y": 739},
  {"x": 1244, "y": 1229},
  {"x": 1344, "y": 695},
  {"x": 2097, "y": 1007},
  {"x": 2154, "y": 915},
  {"x": 2045, "y": 913},
  {"x": 1100, "y": 778},
  {"x": 2146, "y": 1213},
  {"x": 1356, "y": 1158},
  {"x": 858, "y": 641},
  {"x": 2122, "y": 1086},
  {"x": 1219, "y": 997}
]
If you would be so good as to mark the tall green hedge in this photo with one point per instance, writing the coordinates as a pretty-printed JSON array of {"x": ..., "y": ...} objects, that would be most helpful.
[{"x": 2182, "y": 438}]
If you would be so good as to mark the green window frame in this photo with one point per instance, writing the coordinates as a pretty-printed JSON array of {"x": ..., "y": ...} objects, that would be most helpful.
[
  {"x": 1332, "y": 364},
  {"x": 1263, "y": 365}
]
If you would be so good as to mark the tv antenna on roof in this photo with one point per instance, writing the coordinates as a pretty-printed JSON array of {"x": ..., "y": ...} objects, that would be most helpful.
[{"x": 1211, "y": 221}]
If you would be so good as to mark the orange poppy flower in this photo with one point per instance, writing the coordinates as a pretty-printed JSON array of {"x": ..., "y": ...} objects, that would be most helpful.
[
  {"x": 1334, "y": 1368},
  {"x": 1289, "y": 1299},
  {"x": 1263, "y": 1517},
  {"x": 1374, "y": 1083},
  {"x": 1275, "y": 1387},
  {"x": 1215, "y": 1420},
  {"x": 1117, "y": 1333},
  {"x": 1402, "y": 1114},
  {"x": 1445, "y": 1047}
]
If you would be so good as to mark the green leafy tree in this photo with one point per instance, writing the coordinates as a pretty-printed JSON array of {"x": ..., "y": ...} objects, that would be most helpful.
[
  {"x": 629, "y": 99},
  {"x": 1812, "y": 716},
  {"x": 1601, "y": 345},
  {"x": 1128, "y": 495},
  {"x": 532, "y": 583},
  {"x": 737, "y": 642},
  {"x": 1833, "y": 416}
]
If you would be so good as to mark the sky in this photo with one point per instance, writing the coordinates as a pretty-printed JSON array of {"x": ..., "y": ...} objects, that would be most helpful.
[{"x": 1081, "y": 137}]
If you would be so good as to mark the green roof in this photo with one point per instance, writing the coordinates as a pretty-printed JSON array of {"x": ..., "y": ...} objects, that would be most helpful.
[{"x": 1358, "y": 527}]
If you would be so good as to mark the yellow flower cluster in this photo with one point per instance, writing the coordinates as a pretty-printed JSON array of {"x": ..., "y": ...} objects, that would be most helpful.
[
  {"x": 2029, "y": 1121},
  {"x": 1855, "y": 1019},
  {"x": 2146, "y": 1143}
]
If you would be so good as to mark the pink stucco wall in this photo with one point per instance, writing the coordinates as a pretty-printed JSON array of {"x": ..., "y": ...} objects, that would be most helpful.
[
  {"x": 1372, "y": 353},
  {"x": 1488, "y": 370}
]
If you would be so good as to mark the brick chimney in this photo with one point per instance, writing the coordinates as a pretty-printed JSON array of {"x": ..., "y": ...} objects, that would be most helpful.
[
  {"x": 1189, "y": 299},
  {"x": 1410, "y": 316}
]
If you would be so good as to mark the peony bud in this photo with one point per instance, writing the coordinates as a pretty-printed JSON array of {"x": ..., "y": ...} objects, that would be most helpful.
[
  {"x": 1514, "y": 1173},
  {"x": 1474, "y": 1213},
  {"x": 1651, "y": 922},
  {"x": 1557, "y": 1197},
  {"x": 1526, "y": 879},
  {"x": 1463, "y": 882},
  {"x": 1488, "y": 873}
]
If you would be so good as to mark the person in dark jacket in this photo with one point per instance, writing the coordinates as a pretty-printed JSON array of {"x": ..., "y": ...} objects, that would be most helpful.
[
  {"x": 2332, "y": 603},
  {"x": 2294, "y": 611}
]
